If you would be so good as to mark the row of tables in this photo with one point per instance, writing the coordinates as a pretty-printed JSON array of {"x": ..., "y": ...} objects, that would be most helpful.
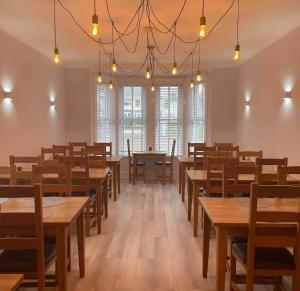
[{"x": 229, "y": 216}]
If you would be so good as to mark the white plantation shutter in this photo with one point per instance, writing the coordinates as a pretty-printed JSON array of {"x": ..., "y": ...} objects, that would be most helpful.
[
  {"x": 132, "y": 123},
  {"x": 168, "y": 118},
  {"x": 105, "y": 122},
  {"x": 197, "y": 114}
]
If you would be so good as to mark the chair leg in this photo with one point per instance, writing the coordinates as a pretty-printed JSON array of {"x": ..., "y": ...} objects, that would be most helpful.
[{"x": 145, "y": 175}]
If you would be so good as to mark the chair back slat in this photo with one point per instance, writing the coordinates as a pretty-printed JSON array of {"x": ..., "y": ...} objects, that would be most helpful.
[
  {"x": 77, "y": 147},
  {"x": 108, "y": 147}
]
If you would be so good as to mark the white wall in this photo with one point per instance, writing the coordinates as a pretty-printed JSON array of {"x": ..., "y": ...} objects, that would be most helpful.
[
  {"x": 28, "y": 122},
  {"x": 270, "y": 123}
]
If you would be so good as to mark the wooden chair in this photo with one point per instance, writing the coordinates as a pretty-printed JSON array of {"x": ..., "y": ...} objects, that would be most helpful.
[
  {"x": 7, "y": 171},
  {"x": 140, "y": 164},
  {"x": 265, "y": 256},
  {"x": 233, "y": 151},
  {"x": 80, "y": 186},
  {"x": 23, "y": 161},
  {"x": 67, "y": 148},
  {"x": 214, "y": 174},
  {"x": 232, "y": 185},
  {"x": 198, "y": 154},
  {"x": 283, "y": 173},
  {"x": 169, "y": 164},
  {"x": 22, "y": 240},
  {"x": 54, "y": 180},
  {"x": 77, "y": 147},
  {"x": 248, "y": 158},
  {"x": 108, "y": 147},
  {"x": 264, "y": 177},
  {"x": 212, "y": 153},
  {"x": 52, "y": 157},
  {"x": 193, "y": 145}
]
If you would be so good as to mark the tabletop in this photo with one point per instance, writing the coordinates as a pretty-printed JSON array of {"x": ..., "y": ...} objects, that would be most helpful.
[
  {"x": 185, "y": 159},
  {"x": 149, "y": 153},
  {"x": 10, "y": 282},
  {"x": 114, "y": 159},
  {"x": 233, "y": 212},
  {"x": 63, "y": 214}
]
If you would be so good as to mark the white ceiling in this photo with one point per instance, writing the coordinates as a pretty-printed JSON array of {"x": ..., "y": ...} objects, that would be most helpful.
[{"x": 261, "y": 23}]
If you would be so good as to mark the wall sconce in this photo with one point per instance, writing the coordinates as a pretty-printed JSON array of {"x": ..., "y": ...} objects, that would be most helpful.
[
  {"x": 247, "y": 102},
  {"x": 52, "y": 103},
  {"x": 287, "y": 95},
  {"x": 7, "y": 96}
]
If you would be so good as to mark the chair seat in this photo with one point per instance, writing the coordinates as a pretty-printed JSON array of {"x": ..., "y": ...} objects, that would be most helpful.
[
  {"x": 266, "y": 258},
  {"x": 160, "y": 163},
  {"x": 139, "y": 163},
  {"x": 24, "y": 260}
]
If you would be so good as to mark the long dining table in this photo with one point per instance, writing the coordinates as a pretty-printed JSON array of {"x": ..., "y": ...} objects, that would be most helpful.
[
  {"x": 230, "y": 216},
  {"x": 58, "y": 224}
]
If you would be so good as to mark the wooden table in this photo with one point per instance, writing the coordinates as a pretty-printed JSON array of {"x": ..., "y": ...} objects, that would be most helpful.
[
  {"x": 184, "y": 162},
  {"x": 114, "y": 163},
  {"x": 10, "y": 282},
  {"x": 230, "y": 217},
  {"x": 196, "y": 179},
  {"x": 58, "y": 224},
  {"x": 149, "y": 155}
]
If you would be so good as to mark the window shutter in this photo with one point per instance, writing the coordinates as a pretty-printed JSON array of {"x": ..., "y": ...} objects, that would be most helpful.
[
  {"x": 132, "y": 123},
  {"x": 168, "y": 119},
  {"x": 105, "y": 123},
  {"x": 197, "y": 114}
]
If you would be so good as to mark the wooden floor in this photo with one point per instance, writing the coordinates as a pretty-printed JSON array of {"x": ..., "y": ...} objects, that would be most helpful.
[{"x": 146, "y": 245}]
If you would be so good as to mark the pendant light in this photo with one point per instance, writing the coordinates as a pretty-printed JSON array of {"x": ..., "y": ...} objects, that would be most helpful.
[
  {"x": 113, "y": 63},
  {"x": 111, "y": 86},
  {"x": 99, "y": 76},
  {"x": 95, "y": 23},
  {"x": 174, "y": 68},
  {"x": 152, "y": 87},
  {"x": 203, "y": 29},
  {"x": 192, "y": 81},
  {"x": 56, "y": 56},
  {"x": 237, "y": 51},
  {"x": 199, "y": 77}
]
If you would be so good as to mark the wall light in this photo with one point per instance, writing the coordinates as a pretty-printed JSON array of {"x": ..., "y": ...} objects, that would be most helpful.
[
  {"x": 287, "y": 95},
  {"x": 52, "y": 103},
  {"x": 7, "y": 96},
  {"x": 248, "y": 102}
]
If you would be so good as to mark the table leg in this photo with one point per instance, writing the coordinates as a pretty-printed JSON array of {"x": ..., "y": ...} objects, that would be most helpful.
[
  {"x": 119, "y": 177},
  {"x": 190, "y": 198},
  {"x": 221, "y": 257},
  {"x": 81, "y": 243},
  {"x": 195, "y": 199},
  {"x": 164, "y": 169},
  {"x": 99, "y": 201},
  {"x": 61, "y": 257},
  {"x": 105, "y": 197},
  {"x": 114, "y": 177},
  {"x": 179, "y": 180},
  {"x": 183, "y": 181},
  {"x": 205, "y": 245},
  {"x": 134, "y": 170}
]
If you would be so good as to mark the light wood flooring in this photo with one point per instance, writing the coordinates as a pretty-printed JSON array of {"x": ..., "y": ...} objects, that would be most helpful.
[{"x": 146, "y": 245}]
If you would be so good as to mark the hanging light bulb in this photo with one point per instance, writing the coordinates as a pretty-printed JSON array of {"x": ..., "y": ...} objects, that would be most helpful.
[
  {"x": 99, "y": 77},
  {"x": 237, "y": 52},
  {"x": 95, "y": 25},
  {"x": 152, "y": 88},
  {"x": 114, "y": 65},
  {"x": 148, "y": 73},
  {"x": 110, "y": 85},
  {"x": 199, "y": 76},
  {"x": 202, "y": 31},
  {"x": 56, "y": 56},
  {"x": 174, "y": 69},
  {"x": 192, "y": 84}
]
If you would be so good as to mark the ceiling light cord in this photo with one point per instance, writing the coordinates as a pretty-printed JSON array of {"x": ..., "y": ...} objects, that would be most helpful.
[
  {"x": 203, "y": 4},
  {"x": 94, "y": 6},
  {"x": 54, "y": 22},
  {"x": 238, "y": 22},
  {"x": 199, "y": 55}
]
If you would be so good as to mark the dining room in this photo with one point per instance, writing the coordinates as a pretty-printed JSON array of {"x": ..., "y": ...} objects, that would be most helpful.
[{"x": 149, "y": 145}]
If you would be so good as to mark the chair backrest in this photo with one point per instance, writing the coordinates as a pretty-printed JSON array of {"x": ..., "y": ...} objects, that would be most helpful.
[
  {"x": 80, "y": 181},
  {"x": 77, "y": 147},
  {"x": 53, "y": 179},
  {"x": 269, "y": 228},
  {"x": 248, "y": 158},
  {"x": 21, "y": 161},
  {"x": 108, "y": 147},
  {"x": 220, "y": 145},
  {"x": 270, "y": 176},
  {"x": 21, "y": 176},
  {"x": 198, "y": 154},
  {"x": 22, "y": 229},
  {"x": 214, "y": 173},
  {"x": 283, "y": 173},
  {"x": 233, "y": 151},
  {"x": 67, "y": 148},
  {"x": 212, "y": 153},
  {"x": 51, "y": 156},
  {"x": 192, "y": 145},
  {"x": 75, "y": 161},
  {"x": 232, "y": 184},
  {"x": 96, "y": 156},
  {"x": 7, "y": 171}
]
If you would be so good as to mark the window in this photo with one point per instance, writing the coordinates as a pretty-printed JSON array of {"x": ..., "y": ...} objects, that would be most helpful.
[
  {"x": 168, "y": 119},
  {"x": 105, "y": 123},
  {"x": 197, "y": 114},
  {"x": 132, "y": 119}
]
